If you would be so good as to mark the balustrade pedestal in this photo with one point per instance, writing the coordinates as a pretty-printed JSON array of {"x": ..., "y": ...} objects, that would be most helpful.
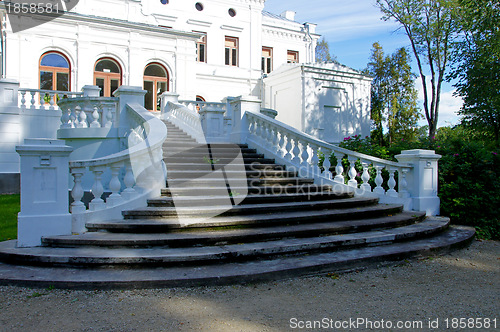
[
  {"x": 423, "y": 181},
  {"x": 44, "y": 191}
]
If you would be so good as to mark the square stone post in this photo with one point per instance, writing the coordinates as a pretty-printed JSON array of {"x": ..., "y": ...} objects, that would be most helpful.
[
  {"x": 167, "y": 96},
  {"x": 127, "y": 95},
  {"x": 212, "y": 121},
  {"x": 44, "y": 191},
  {"x": 423, "y": 179},
  {"x": 91, "y": 91},
  {"x": 241, "y": 105}
]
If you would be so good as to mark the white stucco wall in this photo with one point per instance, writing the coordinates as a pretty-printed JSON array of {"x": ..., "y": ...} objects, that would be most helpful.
[{"x": 328, "y": 101}]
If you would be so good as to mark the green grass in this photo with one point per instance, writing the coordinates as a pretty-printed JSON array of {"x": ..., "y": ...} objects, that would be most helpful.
[{"x": 10, "y": 205}]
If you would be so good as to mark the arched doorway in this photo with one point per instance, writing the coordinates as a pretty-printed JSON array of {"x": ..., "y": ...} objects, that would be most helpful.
[
  {"x": 155, "y": 83},
  {"x": 107, "y": 76},
  {"x": 54, "y": 72}
]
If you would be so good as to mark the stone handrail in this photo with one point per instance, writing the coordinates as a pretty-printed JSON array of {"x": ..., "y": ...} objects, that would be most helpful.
[
  {"x": 136, "y": 171},
  {"x": 46, "y": 99},
  {"x": 184, "y": 118},
  {"x": 197, "y": 105},
  {"x": 302, "y": 152}
]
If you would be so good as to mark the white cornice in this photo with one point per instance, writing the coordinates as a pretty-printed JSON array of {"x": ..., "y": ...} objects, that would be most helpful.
[
  {"x": 231, "y": 28},
  {"x": 200, "y": 23}
]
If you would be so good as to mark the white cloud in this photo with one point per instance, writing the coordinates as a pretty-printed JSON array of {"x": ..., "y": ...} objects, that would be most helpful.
[{"x": 448, "y": 106}]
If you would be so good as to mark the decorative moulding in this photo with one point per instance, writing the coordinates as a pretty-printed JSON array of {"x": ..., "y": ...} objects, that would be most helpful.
[
  {"x": 200, "y": 23},
  {"x": 231, "y": 28}
]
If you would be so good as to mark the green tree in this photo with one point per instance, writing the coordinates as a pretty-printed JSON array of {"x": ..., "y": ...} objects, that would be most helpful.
[
  {"x": 323, "y": 52},
  {"x": 429, "y": 25},
  {"x": 394, "y": 97},
  {"x": 477, "y": 65}
]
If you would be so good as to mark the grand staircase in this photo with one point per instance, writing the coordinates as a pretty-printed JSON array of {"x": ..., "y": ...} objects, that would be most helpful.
[{"x": 229, "y": 215}]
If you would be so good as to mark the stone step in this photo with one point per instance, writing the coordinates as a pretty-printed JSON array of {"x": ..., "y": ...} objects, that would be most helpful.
[
  {"x": 231, "y": 273},
  {"x": 221, "y": 183},
  {"x": 251, "y": 199},
  {"x": 267, "y": 173},
  {"x": 258, "y": 190},
  {"x": 203, "y": 155},
  {"x": 204, "y": 148},
  {"x": 231, "y": 236},
  {"x": 151, "y": 225},
  {"x": 254, "y": 209},
  {"x": 158, "y": 256},
  {"x": 203, "y": 166},
  {"x": 223, "y": 161}
]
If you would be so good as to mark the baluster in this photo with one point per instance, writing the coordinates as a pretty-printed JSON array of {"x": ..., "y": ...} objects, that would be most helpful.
[
  {"x": 365, "y": 177},
  {"x": 251, "y": 127},
  {"x": 82, "y": 117},
  {"x": 269, "y": 137},
  {"x": 315, "y": 160},
  {"x": 258, "y": 130},
  {"x": 77, "y": 192},
  {"x": 73, "y": 119},
  {"x": 288, "y": 147},
  {"x": 305, "y": 155},
  {"x": 33, "y": 99},
  {"x": 352, "y": 172},
  {"x": 109, "y": 119},
  {"x": 97, "y": 189},
  {"x": 115, "y": 185},
  {"x": 275, "y": 142},
  {"x": 339, "y": 169},
  {"x": 327, "y": 164},
  {"x": 392, "y": 183},
  {"x": 403, "y": 183},
  {"x": 129, "y": 181},
  {"x": 281, "y": 145},
  {"x": 296, "y": 151},
  {"x": 42, "y": 100},
  {"x": 23, "y": 100},
  {"x": 52, "y": 100},
  {"x": 379, "y": 190},
  {"x": 95, "y": 116},
  {"x": 65, "y": 119}
]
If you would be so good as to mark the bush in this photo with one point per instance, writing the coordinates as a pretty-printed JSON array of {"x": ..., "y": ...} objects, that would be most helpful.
[{"x": 469, "y": 174}]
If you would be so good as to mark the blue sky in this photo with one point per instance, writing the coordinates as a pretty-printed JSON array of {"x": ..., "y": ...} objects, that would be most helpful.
[{"x": 351, "y": 27}]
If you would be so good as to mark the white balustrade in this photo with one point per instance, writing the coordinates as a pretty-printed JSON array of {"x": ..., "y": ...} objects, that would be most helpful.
[
  {"x": 301, "y": 151},
  {"x": 47, "y": 99}
]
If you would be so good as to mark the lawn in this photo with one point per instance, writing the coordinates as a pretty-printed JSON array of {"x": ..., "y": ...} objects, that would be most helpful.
[{"x": 9, "y": 208}]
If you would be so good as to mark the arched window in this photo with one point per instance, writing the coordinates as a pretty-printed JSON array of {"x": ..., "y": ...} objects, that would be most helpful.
[
  {"x": 54, "y": 72},
  {"x": 107, "y": 76},
  {"x": 155, "y": 83}
]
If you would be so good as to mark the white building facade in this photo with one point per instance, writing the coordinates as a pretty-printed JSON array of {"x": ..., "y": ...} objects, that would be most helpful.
[{"x": 201, "y": 50}]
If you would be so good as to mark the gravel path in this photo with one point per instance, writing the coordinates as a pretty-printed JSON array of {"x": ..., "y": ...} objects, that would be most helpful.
[{"x": 464, "y": 284}]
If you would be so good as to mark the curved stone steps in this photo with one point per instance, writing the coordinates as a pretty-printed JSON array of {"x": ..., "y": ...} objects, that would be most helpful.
[
  {"x": 179, "y": 174},
  {"x": 219, "y": 182},
  {"x": 232, "y": 236},
  {"x": 262, "y": 190},
  {"x": 170, "y": 160},
  {"x": 234, "y": 273},
  {"x": 274, "y": 218},
  {"x": 216, "y": 254},
  {"x": 254, "y": 209},
  {"x": 252, "y": 199}
]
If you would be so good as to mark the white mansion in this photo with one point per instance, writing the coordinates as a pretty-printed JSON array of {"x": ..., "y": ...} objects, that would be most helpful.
[{"x": 201, "y": 50}]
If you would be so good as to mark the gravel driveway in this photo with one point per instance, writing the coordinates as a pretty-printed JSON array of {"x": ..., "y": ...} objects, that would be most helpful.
[{"x": 464, "y": 284}]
